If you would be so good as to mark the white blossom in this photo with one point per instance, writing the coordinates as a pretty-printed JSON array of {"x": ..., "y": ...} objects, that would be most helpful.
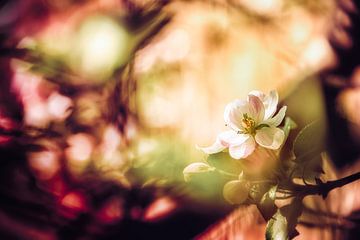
[{"x": 252, "y": 121}]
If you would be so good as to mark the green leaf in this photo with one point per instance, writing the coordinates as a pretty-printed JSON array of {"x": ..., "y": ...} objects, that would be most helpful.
[
  {"x": 224, "y": 162},
  {"x": 267, "y": 205},
  {"x": 258, "y": 190},
  {"x": 286, "y": 153},
  {"x": 288, "y": 126},
  {"x": 282, "y": 225},
  {"x": 310, "y": 142},
  {"x": 277, "y": 228},
  {"x": 308, "y": 146},
  {"x": 309, "y": 170}
]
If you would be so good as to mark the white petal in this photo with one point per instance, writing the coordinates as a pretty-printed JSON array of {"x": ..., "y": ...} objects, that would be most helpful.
[
  {"x": 271, "y": 102},
  {"x": 259, "y": 94},
  {"x": 229, "y": 118},
  {"x": 215, "y": 148},
  {"x": 277, "y": 119},
  {"x": 227, "y": 112},
  {"x": 234, "y": 112},
  {"x": 228, "y": 138},
  {"x": 242, "y": 150},
  {"x": 270, "y": 137},
  {"x": 223, "y": 140},
  {"x": 256, "y": 108}
]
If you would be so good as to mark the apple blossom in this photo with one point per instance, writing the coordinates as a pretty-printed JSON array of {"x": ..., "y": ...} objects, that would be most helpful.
[{"x": 251, "y": 122}]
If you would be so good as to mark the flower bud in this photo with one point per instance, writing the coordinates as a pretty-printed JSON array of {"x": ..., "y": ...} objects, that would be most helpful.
[
  {"x": 236, "y": 192},
  {"x": 196, "y": 168}
]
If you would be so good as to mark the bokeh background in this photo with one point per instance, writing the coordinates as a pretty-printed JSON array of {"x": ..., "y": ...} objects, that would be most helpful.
[{"x": 103, "y": 102}]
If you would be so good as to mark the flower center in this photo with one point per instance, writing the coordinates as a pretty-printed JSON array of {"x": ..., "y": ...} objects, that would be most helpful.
[{"x": 248, "y": 124}]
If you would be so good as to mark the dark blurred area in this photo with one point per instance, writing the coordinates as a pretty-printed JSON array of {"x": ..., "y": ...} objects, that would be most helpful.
[
  {"x": 42, "y": 198},
  {"x": 343, "y": 138}
]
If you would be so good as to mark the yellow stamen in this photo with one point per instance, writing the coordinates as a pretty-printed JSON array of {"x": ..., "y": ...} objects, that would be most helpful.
[{"x": 248, "y": 124}]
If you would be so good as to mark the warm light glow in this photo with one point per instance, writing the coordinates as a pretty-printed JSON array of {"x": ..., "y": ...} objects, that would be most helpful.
[
  {"x": 160, "y": 208},
  {"x": 349, "y": 104},
  {"x": 112, "y": 211},
  {"x": 265, "y": 7},
  {"x": 45, "y": 164},
  {"x": 111, "y": 140},
  {"x": 317, "y": 54},
  {"x": 74, "y": 201},
  {"x": 175, "y": 46},
  {"x": 300, "y": 31},
  {"x": 6, "y": 123},
  {"x": 29, "y": 86},
  {"x": 80, "y": 148},
  {"x": 59, "y": 106},
  {"x": 4, "y": 140},
  {"x": 36, "y": 113},
  {"x": 101, "y": 46},
  {"x": 88, "y": 109}
]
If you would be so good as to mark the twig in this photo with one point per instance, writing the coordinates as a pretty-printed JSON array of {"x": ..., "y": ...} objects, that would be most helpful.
[{"x": 324, "y": 188}]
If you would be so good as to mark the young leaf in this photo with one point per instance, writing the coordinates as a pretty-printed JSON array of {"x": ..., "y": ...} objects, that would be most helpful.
[
  {"x": 267, "y": 205},
  {"x": 288, "y": 126},
  {"x": 277, "y": 227},
  {"x": 286, "y": 153},
  {"x": 282, "y": 225}
]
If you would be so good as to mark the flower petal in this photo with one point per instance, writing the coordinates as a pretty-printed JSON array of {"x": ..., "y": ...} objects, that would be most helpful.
[
  {"x": 224, "y": 140},
  {"x": 234, "y": 112},
  {"x": 277, "y": 119},
  {"x": 229, "y": 118},
  {"x": 270, "y": 137},
  {"x": 230, "y": 137},
  {"x": 242, "y": 150},
  {"x": 259, "y": 94},
  {"x": 215, "y": 148},
  {"x": 256, "y": 108},
  {"x": 271, "y": 102}
]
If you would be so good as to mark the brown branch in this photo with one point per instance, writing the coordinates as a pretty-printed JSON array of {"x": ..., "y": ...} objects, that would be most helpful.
[{"x": 324, "y": 188}]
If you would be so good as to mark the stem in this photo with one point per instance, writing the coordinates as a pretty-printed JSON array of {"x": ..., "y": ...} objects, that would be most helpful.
[
  {"x": 284, "y": 191},
  {"x": 263, "y": 181},
  {"x": 327, "y": 225},
  {"x": 324, "y": 188},
  {"x": 227, "y": 173},
  {"x": 330, "y": 215},
  {"x": 283, "y": 197}
]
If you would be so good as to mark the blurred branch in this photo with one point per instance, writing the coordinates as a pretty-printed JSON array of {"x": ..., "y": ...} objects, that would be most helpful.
[
  {"x": 13, "y": 52},
  {"x": 324, "y": 188},
  {"x": 331, "y": 216},
  {"x": 326, "y": 225}
]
